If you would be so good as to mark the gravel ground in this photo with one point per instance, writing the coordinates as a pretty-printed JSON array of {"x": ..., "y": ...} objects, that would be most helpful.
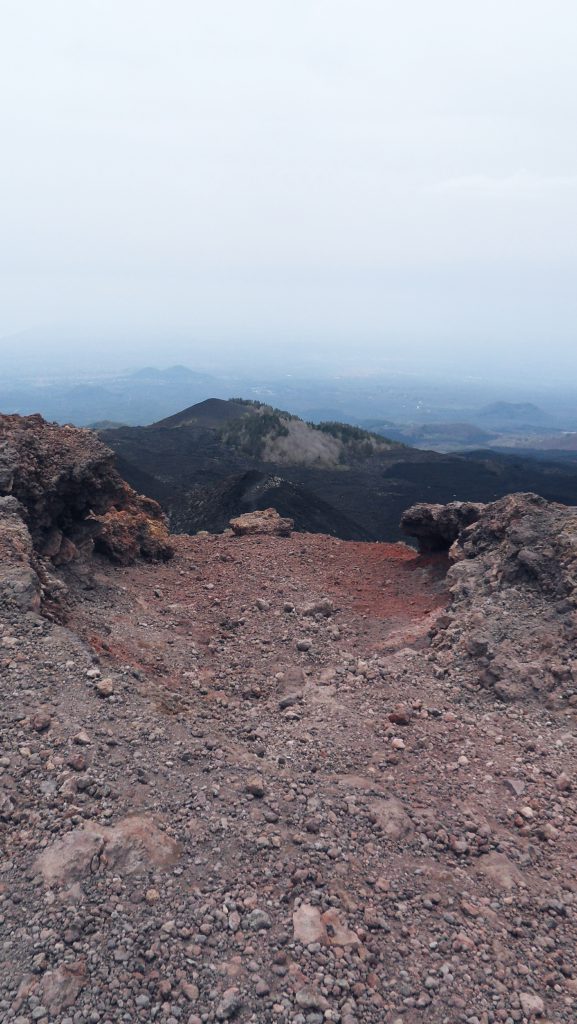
[{"x": 242, "y": 785}]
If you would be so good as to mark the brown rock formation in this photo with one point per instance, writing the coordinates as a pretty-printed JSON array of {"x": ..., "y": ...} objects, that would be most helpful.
[
  {"x": 266, "y": 522},
  {"x": 71, "y": 496},
  {"x": 61, "y": 987}
]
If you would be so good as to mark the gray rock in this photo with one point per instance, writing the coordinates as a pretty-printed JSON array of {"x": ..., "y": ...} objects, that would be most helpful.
[{"x": 230, "y": 1004}]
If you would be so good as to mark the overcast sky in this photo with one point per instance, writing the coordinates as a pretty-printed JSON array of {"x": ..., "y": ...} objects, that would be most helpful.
[{"x": 355, "y": 175}]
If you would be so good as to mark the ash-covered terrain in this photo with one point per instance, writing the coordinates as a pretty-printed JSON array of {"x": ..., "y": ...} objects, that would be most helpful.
[
  {"x": 219, "y": 459},
  {"x": 280, "y": 776}
]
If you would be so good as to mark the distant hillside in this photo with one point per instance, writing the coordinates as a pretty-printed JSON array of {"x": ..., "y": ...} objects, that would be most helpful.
[
  {"x": 263, "y": 432},
  {"x": 508, "y": 414},
  {"x": 509, "y": 431},
  {"x": 218, "y": 459},
  {"x": 540, "y": 442},
  {"x": 106, "y": 425},
  {"x": 442, "y": 436},
  {"x": 277, "y": 436}
]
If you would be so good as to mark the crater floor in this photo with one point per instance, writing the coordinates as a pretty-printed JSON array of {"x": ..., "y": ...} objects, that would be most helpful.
[{"x": 240, "y": 786}]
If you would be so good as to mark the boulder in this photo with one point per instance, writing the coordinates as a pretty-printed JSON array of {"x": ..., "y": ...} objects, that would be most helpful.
[
  {"x": 137, "y": 531},
  {"x": 338, "y": 934},
  {"x": 501, "y": 872},
  {"x": 71, "y": 858},
  {"x": 531, "y": 1004},
  {"x": 131, "y": 847},
  {"x": 308, "y": 926},
  {"x": 61, "y": 987},
  {"x": 266, "y": 522},
  {"x": 391, "y": 817}
]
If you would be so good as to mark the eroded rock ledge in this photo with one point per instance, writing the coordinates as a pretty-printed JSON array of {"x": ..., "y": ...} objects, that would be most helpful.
[
  {"x": 61, "y": 498},
  {"x": 436, "y": 527}
]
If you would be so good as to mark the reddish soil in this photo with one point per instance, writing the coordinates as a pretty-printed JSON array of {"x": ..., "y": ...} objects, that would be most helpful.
[{"x": 387, "y": 596}]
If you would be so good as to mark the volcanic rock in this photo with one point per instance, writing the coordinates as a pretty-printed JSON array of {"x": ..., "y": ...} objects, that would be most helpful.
[
  {"x": 19, "y": 580},
  {"x": 71, "y": 495},
  {"x": 531, "y": 1004},
  {"x": 436, "y": 527},
  {"x": 132, "y": 846},
  {"x": 513, "y": 594},
  {"x": 229, "y": 1005},
  {"x": 308, "y": 925},
  {"x": 62, "y": 986},
  {"x": 267, "y": 522},
  {"x": 391, "y": 817},
  {"x": 499, "y": 870}
]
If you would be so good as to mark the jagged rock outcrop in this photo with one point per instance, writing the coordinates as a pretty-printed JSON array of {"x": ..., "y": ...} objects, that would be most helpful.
[
  {"x": 19, "y": 579},
  {"x": 70, "y": 498},
  {"x": 436, "y": 527},
  {"x": 267, "y": 522},
  {"x": 513, "y": 586}
]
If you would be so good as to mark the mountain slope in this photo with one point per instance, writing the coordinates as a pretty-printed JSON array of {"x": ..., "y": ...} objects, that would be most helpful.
[
  {"x": 254, "y": 490},
  {"x": 362, "y": 481},
  {"x": 507, "y": 414},
  {"x": 213, "y": 413}
]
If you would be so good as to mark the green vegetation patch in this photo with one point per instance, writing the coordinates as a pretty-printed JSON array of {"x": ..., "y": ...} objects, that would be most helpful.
[
  {"x": 358, "y": 444},
  {"x": 346, "y": 433},
  {"x": 251, "y": 432},
  {"x": 263, "y": 423},
  {"x": 252, "y": 403}
]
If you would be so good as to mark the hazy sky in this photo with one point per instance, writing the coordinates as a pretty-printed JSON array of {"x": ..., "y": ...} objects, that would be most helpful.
[{"x": 355, "y": 175}]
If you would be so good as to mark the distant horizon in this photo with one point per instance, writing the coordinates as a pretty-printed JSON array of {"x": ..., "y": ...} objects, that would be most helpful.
[
  {"x": 30, "y": 354},
  {"x": 401, "y": 394}
]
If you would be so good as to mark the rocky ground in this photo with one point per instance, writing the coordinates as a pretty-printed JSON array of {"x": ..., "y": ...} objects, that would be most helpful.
[{"x": 275, "y": 779}]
